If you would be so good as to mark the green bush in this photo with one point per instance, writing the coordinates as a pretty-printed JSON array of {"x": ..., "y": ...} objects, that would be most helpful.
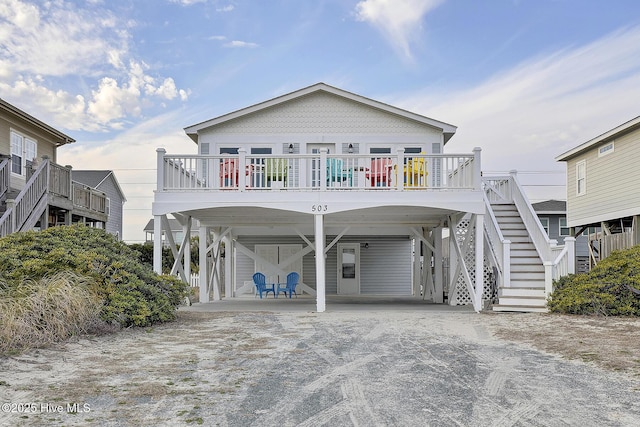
[
  {"x": 132, "y": 294},
  {"x": 608, "y": 289}
]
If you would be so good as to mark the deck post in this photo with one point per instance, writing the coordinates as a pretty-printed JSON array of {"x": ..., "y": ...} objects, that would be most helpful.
[
  {"x": 243, "y": 177},
  {"x": 398, "y": 174},
  {"x": 323, "y": 171},
  {"x": 157, "y": 244},
  {"x": 203, "y": 234},
  {"x": 477, "y": 169},
  {"x": 320, "y": 261},
  {"x": 479, "y": 241},
  {"x": 160, "y": 152},
  {"x": 570, "y": 242}
]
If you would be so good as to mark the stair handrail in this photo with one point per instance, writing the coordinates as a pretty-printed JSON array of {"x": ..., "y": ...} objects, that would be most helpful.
[
  {"x": 539, "y": 236},
  {"x": 4, "y": 176},
  {"x": 499, "y": 247},
  {"x": 28, "y": 198}
]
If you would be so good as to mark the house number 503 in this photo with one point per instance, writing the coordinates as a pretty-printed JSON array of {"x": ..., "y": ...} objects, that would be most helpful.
[{"x": 319, "y": 208}]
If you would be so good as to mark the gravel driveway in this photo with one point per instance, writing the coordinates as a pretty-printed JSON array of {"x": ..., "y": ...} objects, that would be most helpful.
[{"x": 369, "y": 366}]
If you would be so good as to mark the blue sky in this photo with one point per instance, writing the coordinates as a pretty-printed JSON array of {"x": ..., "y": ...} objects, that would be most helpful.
[{"x": 525, "y": 80}]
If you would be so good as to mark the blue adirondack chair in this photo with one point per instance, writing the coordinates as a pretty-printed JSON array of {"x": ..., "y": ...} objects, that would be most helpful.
[
  {"x": 260, "y": 281},
  {"x": 290, "y": 286},
  {"x": 337, "y": 173}
]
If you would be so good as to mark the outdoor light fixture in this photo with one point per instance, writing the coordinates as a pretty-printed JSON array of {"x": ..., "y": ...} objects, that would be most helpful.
[
  {"x": 290, "y": 148},
  {"x": 350, "y": 148}
]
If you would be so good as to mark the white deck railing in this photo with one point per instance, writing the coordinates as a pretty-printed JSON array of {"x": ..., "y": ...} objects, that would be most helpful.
[{"x": 248, "y": 172}]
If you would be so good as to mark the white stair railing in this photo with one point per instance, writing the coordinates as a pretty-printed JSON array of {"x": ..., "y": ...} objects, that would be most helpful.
[{"x": 557, "y": 260}]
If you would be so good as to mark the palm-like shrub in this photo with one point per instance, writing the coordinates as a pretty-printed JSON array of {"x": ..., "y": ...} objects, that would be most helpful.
[
  {"x": 129, "y": 291},
  {"x": 610, "y": 288}
]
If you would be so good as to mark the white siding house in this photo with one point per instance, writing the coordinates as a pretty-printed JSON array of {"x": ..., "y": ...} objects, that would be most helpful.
[
  {"x": 355, "y": 195},
  {"x": 603, "y": 182}
]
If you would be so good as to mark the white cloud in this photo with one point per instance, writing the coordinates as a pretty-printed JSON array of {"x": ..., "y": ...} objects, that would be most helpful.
[
  {"x": 241, "y": 44},
  {"x": 526, "y": 116},
  {"x": 227, "y": 8},
  {"x": 398, "y": 20},
  {"x": 43, "y": 43},
  {"x": 132, "y": 157},
  {"x": 187, "y": 2}
]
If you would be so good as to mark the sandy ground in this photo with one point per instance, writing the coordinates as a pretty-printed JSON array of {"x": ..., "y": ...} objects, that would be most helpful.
[{"x": 363, "y": 367}]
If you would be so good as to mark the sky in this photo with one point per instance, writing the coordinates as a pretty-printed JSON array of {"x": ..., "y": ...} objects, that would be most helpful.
[{"x": 525, "y": 80}]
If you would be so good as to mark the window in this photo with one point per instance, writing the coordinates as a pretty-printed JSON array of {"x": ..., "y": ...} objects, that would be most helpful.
[
  {"x": 581, "y": 178},
  {"x": 605, "y": 149},
  {"x": 23, "y": 152},
  {"x": 377, "y": 150},
  {"x": 564, "y": 230},
  {"x": 545, "y": 224}
]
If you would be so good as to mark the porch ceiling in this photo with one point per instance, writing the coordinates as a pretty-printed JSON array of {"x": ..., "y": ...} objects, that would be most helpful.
[{"x": 268, "y": 219}]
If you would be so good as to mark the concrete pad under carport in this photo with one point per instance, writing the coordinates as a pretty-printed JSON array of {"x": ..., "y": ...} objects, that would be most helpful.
[{"x": 334, "y": 303}]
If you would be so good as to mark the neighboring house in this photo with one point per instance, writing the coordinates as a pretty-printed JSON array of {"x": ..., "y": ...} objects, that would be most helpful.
[
  {"x": 106, "y": 181},
  {"x": 356, "y": 196},
  {"x": 176, "y": 229},
  {"x": 553, "y": 217},
  {"x": 603, "y": 189},
  {"x": 36, "y": 192}
]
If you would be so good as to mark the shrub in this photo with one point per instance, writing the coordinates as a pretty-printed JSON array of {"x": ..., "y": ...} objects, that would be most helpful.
[
  {"x": 36, "y": 313},
  {"x": 607, "y": 289},
  {"x": 132, "y": 294}
]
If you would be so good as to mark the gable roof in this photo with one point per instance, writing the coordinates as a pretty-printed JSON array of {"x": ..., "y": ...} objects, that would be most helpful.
[
  {"x": 94, "y": 178},
  {"x": 550, "y": 207},
  {"x": 627, "y": 127},
  {"x": 447, "y": 129},
  {"x": 59, "y": 137}
]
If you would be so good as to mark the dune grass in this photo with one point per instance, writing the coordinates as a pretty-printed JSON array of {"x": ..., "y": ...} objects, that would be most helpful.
[{"x": 38, "y": 313}]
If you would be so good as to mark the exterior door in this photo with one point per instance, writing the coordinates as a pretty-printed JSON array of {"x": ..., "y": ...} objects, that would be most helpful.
[{"x": 348, "y": 268}]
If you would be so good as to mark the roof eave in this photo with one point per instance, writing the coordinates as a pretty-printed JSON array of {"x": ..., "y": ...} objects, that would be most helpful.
[
  {"x": 611, "y": 134},
  {"x": 447, "y": 129},
  {"x": 61, "y": 137}
]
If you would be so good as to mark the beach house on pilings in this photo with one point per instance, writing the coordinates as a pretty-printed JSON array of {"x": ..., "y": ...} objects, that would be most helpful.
[{"x": 357, "y": 196}]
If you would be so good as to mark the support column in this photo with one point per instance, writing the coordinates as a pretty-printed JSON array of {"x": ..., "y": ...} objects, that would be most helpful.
[
  {"x": 479, "y": 240},
  {"x": 157, "y": 244},
  {"x": 438, "y": 298},
  {"x": 229, "y": 261},
  {"x": 419, "y": 274},
  {"x": 186, "y": 229},
  {"x": 320, "y": 263},
  {"x": 203, "y": 234}
]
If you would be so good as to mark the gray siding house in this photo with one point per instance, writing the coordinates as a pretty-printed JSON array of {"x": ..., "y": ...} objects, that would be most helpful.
[
  {"x": 603, "y": 188},
  {"x": 553, "y": 217},
  {"x": 106, "y": 181}
]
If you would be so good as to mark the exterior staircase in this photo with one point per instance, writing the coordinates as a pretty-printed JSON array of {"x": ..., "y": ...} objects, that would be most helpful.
[{"x": 526, "y": 292}]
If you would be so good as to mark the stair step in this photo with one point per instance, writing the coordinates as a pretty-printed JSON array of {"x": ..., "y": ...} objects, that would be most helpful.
[
  {"x": 530, "y": 301},
  {"x": 519, "y": 308},
  {"x": 527, "y": 268},
  {"x": 521, "y": 292},
  {"x": 526, "y": 283},
  {"x": 525, "y": 260}
]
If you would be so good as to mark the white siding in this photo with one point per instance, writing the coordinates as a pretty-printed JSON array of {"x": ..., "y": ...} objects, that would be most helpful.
[
  {"x": 385, "y": 266},
  {"x": 320, "y": 117},
  {"x": 612, "y": 183}
]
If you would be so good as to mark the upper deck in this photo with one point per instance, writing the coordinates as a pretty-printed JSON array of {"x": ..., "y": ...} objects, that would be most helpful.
[{"x": 187, "y": 182}]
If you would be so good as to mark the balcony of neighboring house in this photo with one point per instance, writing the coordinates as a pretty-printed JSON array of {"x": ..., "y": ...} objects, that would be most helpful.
[{"x": 49, "y": 197}]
